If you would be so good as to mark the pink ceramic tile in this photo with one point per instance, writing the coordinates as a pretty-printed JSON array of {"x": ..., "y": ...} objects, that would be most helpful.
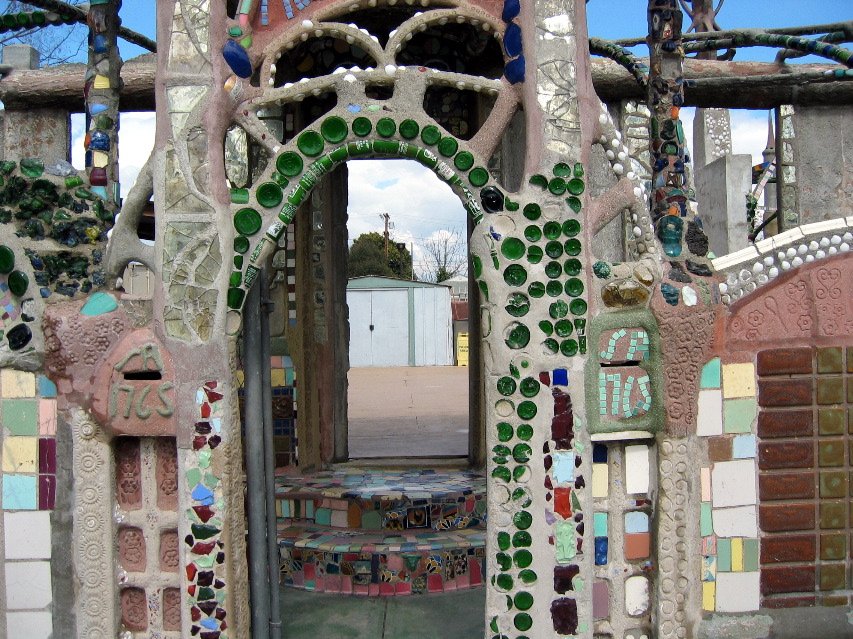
[
  {"x": 308, "y": 571},
  {"x": 403, "y": 588},
  {"x": 705, "y": 474},
  {"x": 346, "y": 585},
  {"x": 47, "y": 417},
  {"x": 361, "y": 589},
  {"x": 386, "y": 589},
  {"x": 450, "y": 585},
  {"x": 434, "y": 583},
  {"x": 462, "y": 581},
  {"x": 333, "y": 583},
  {"x": 373, "y": 590},
  {"x": 475, "y": 578},
  {"x": 299, "y": 579},
  {"x": 320, "y": 584}
]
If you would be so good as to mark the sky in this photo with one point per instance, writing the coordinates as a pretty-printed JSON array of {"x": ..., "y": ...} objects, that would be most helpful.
[{"x": 419, "y": 204}]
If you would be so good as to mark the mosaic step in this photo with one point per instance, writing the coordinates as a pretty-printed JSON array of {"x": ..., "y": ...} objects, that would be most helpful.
[
  {"x": 369, "y": 563},
  {"x": 393, "y": 500}
]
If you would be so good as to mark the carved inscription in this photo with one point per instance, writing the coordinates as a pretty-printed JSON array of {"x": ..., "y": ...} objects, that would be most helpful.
[{"x": 138, "y": 390}]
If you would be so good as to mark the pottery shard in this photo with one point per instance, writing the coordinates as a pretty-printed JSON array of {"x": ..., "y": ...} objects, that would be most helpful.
[{"x": 624, "y": 293}]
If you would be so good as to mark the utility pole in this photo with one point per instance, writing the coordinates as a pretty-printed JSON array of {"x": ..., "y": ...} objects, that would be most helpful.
[{"x": 385, "y": 217}]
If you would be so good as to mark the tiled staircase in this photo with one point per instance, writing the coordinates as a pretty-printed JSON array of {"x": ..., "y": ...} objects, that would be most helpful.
[{"x": 382, "y": 532}]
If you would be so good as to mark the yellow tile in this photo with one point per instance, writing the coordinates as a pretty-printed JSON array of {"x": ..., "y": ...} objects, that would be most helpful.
[
  {"x": 737, "y": 554},
  {"x": 709, "y": 595},
  {"x": 20, "y": 455},
  {"x": 277, "y": 377},
  {"x": 17, "y": 384},
  {"x": 738, "y": 380},
  {"x": 599, "y": 480},
  {"x": 101, "y": 82},
  {"x": 100, "y": 159},
  {"x": 240, "y": 377}
]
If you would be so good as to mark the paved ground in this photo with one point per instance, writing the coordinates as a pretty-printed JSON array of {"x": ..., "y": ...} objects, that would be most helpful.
[
  {"x": 408, "y": 411},
  {"x": 457, "y": 615}
]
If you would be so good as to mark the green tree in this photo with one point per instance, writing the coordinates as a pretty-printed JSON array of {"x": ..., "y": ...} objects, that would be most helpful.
[{"x": 367, "y": 257}]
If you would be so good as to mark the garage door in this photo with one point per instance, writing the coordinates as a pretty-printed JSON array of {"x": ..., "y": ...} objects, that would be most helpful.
[{"x": 379, "y": 327}]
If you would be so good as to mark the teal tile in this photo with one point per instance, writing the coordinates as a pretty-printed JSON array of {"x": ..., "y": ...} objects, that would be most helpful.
[
  {"x": 19, "y": 492},
  {"x": 724, "y": 555},
  {"x": 20, "y": 416},
  {"x": 706, "y": 524},
  {"x": 739, "y": 414},
  {"x": 46, "y": 387},
  {"x": 750, "y": 555},
  {"x": 600, "y": 524},
  {"x": 711, "y": 374}
]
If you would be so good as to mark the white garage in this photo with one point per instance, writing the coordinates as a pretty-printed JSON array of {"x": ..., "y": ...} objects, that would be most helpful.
[{"x": 396, "y": 322}]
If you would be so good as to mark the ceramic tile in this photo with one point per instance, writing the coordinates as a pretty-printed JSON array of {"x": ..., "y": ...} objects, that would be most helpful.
[
  {"x": 737, "y": 592},
  {"x": 831, "y": 421},
  {"x": 46, "y": 387},
  {"x": 563, "y": 466},
  {"x": 600, "y": 524},
  {"x": 705, "y": 480},
  {"x": 750, "y": 555},
  {"x": 738, "y": 380},
  {"x": 17, "y": 384},
  {"x": 27, "y": 585},
  {"x": 637, "y": 469},
  {"x": 737, "y": 555},
  {"x": 20, "y": 416},
  {"x": 733, "y": 483},
  {"x": 739, "y": 415},
  {"x": 636, "y": 522},
  {"x": 706, "y": 526},
  {"x": 19, "y": 492},
  {"x": 744, "y": 447},
  {"x": 724, "y": 555},
  {"x": 20, "y": 455},
  {"x": 600, "y": 479},
  {"x": 709, "y": 568},
  {"x": 711, "y": 374},
  {"x": 47, "y": 417},
  {"x": 710, "y": 416},
  {"x": 29, "y": 625},
  {"x": 636, "y": 595},
  {"x": 27, "y": 535},
  {"x": 736, "y": 522},
  {"x": 709, "y": 592}
]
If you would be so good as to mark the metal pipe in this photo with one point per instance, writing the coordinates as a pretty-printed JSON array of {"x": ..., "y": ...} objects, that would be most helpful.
[
  {"x": 269, "y": 463},
  {"x": 253, "y": 348}
]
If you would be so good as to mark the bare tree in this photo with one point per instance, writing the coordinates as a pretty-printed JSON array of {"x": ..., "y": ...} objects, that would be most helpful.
[{"x": 445, "y": 256}]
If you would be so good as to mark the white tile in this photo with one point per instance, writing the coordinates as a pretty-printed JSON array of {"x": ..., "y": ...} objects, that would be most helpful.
[
  {"x": 27, "y": 585},
  {"x": 705, "y": 478},
  {"x": 636, "y": 595},
  {"x": 737, "y": 591},
  {"x": 735, "y": 522},
  {"x": 600, "y": 480},
  {"x": 29, "y": 625},
  {"x": 637, "y": 469},
  {"x": 27, "y": 535},
  {"x": 733, "y": 483},
  {"x": 710, "y": 418}
]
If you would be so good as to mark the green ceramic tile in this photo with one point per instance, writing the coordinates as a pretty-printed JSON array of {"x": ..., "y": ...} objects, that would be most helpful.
[
  {"x": 600, "y": 524},
  {"x": 831, "y": 421},
  {"x": 706, "y": 524},
  {"x": 830, "y": 390},
  {"x": 833, "y": 484},
  {"x": 830, "y": 452},
  {"x": 20, "y": 416},
  {"x": 832, "y": 576},
  {"x": 833, "y": 546},
  {"x": 739, "y": 414},
  {"x": 832, "y": 515},
  {"x": 750, "y": 555},
  {"x": 724, "y": 555},
  {"x": 829, "y": 360},
  {"x": 711, "y": 374}
]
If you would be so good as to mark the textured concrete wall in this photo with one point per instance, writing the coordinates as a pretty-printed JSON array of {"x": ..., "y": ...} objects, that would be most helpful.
[{"x": 824, "y": 154}]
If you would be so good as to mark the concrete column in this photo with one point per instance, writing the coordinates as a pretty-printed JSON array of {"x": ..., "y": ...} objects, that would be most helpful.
[
  {"x": 721, "y": 190},
  {"x": 712, "y": 136},
  {"x": 44, "y": 133}
]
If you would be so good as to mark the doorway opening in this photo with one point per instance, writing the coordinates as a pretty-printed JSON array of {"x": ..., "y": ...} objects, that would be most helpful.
[{"x": 407, "y": 294}]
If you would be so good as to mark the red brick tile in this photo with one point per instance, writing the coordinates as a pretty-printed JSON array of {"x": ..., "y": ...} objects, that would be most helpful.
[
  {"x": 785, "y": 392},
  {"x": 788, "y": 602},
  {"x": 785, "y": 423},
  {"x": 776, "y": 579},
  {"x": 776, "y": 518},
  {"x": 795, "y": 454},
  {"x": 786, "y": 486},
  {"x": 784, "y": 361},
  {"x": 783, "y": 548}
]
